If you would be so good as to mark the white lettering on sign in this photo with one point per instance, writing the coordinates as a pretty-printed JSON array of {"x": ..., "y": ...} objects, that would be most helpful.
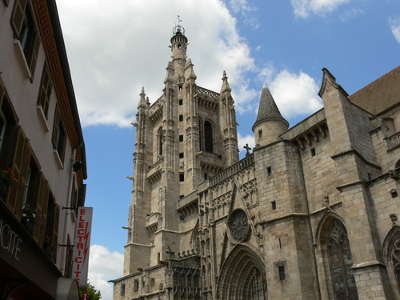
[
  {"x": 10, "y": 242},
  {"x": 82, "y": 244}
]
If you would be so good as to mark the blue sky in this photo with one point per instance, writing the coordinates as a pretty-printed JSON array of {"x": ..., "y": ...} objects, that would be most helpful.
[{"x": 115, "y": 48}]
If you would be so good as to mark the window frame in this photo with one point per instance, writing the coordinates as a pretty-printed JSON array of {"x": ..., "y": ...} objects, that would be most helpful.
[
  {"x": 59, "y": 140},
  {"x": 23, "y": 22},
  {"x": 45, "y": 92}
]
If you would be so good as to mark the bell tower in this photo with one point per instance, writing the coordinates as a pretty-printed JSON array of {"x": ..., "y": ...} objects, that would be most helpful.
[{"x": 184, "y": 137}]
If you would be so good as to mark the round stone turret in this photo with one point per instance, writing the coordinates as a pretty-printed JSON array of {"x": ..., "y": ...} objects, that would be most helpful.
[
  {"x": 269, "y": 124},
  {"x": 178, "y": 46}
]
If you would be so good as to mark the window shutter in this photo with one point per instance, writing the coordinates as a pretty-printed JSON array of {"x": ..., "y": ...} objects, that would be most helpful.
[
  {"x": 13, "y": 192},
  {"x": 54, "y": 137},
  {"x": 41, "y": 211},
  {"x": 35, "y": 50},
  {"x": 18, "y": 16},
  {"x": 55, "y": 232},
  {"x": 22, "y": 165},
  {"x": 62, "y": 143}
]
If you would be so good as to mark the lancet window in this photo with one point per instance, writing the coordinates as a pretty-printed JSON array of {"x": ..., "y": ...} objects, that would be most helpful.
[
  {"x": 160, "y": 141},
  {"x": 392, "y": 254},
  {"x": 339, "y": 261},
  {"x": 208, "y": 137}
]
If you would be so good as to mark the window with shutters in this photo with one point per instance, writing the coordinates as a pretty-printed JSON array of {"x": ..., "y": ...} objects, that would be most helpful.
[
  {"x": 7, "y": 130},
  {"x": 41, "y": 211},
  {"x": 59, "y": 137},
  {"x": 29, "y": 201},
  {"x": 51, "y": 232},
  {"x": 68, "y": 259},
  {"x": 45, "y": 89},
  {"x": 23, "y": 24},
  {"x": 11, "y": 146}
]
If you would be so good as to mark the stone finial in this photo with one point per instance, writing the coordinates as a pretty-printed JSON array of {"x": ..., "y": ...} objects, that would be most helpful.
[
  {"x": 170, "y": 73},
  {"x": 142, "y": 101},
  {"x": 225, "y": 84},
  {"x": 189, "y": 71}
]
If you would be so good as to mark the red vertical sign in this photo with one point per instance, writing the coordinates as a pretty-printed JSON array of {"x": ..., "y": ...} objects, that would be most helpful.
[{"x": 82, "y": 245}]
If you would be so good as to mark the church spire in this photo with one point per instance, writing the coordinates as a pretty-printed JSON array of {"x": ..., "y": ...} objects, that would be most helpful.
[{"x": 269, "y": 124}]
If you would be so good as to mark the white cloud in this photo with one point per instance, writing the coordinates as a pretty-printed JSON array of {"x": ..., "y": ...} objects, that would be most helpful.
[
  {"x": 116, "y": 47},
  {"x": 395, "y": 27},
  {"x": 245, "y": 139},
  {"x": 266, "y": 73},
  {"x": 296, "y": 94},
  {"x": 104, "y": 265},
  {"x": 245, "y": 10},
  {"x": 303, "y": 8}
]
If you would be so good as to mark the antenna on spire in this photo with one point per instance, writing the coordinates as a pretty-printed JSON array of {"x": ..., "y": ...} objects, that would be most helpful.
[{"x": 178, "y": 28}]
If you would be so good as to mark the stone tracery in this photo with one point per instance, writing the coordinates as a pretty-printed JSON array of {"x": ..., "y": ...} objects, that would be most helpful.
[{"x": 338, "y": 260}]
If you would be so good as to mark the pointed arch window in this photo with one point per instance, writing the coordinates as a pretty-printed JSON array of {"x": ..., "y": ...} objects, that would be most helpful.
[
  {"x": 395, "y": 257},
  {"x": 338, "y": 260},
  {"x": 208, "y": 137},
  {"x": 392, "y": 255}
]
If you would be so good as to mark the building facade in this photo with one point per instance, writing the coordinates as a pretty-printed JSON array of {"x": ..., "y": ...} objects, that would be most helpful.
[
  {"x": 310, "y": 214},
  {"x": 42, "y": 155}
]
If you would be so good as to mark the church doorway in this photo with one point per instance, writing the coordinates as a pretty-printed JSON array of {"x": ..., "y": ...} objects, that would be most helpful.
[{"x": 242, "y": 276}]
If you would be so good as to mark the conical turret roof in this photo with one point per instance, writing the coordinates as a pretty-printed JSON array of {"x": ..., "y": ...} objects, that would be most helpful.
[{"x": 267, "y": 110}]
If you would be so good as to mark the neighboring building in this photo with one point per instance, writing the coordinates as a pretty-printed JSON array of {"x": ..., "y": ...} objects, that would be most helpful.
[
  {"x": 310, "y": 214},
  {"x": 42, "y": 154}
]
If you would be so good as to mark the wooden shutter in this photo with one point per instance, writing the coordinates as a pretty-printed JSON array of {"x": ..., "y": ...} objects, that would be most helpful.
[
  {"x": 35, "y": 50},
  {"x": 41, "y": 211},
  {"x": 54, "y": 137},
  {"x": 15, "y": 187},
  {"x": 45, "y": 90},
  {"x": 18, "y": 16},
  {"x": 54, "y": 239}
]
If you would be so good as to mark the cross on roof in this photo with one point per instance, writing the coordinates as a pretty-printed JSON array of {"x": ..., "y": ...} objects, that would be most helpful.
[{"x": 248, "y": 148}]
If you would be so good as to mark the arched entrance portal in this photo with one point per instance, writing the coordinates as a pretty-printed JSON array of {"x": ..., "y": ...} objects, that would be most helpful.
[{"x": 242, "y": 276}]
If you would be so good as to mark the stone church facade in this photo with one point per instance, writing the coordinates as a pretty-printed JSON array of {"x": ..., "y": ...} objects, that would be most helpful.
[{"x": 311, "y": 213}]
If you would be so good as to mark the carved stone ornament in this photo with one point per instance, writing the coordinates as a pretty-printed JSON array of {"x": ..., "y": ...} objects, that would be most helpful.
[{"x": 239, "y": 225}]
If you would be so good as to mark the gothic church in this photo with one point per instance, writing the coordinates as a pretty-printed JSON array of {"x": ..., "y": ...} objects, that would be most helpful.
[{"x": 312, "y": 213}]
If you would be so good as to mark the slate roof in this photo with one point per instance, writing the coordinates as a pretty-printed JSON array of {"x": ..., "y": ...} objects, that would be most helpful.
[
  {"x": 267, "y": 110},
  {"x": 380, "y": 94}
]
